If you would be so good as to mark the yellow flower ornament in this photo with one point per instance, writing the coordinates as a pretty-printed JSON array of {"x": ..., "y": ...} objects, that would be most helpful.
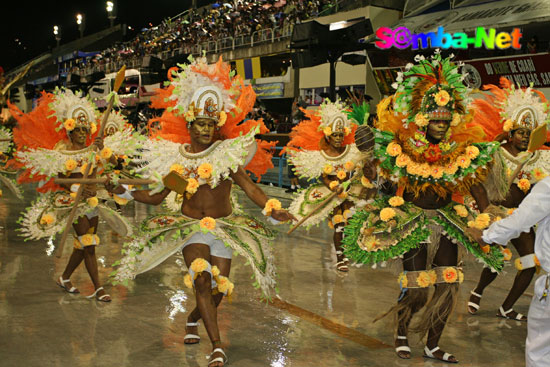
[
  {"x": 386, "y": 214},
  {"x": 69, "y": 124},
  {"x": 208, "y": 223},
  {"x": 205, "y": 170},
  {"x": 70, "y": 164},
  {"x": 442, "y": 98},
  {"x": 421, "y": 120}
]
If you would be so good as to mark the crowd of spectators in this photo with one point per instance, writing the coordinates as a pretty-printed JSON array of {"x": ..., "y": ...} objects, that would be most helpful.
[{"x": 217, "y": 21}]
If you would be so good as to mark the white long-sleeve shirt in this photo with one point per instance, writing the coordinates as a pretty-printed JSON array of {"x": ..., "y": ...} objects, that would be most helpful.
[{"x": 534, "y": 209}]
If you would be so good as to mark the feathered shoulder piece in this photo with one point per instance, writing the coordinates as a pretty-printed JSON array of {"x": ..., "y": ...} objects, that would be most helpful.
[
  {"x": 36, "y": 129},
  {"x": 42, "y": 138},
  {"x": 506, "y": 108},
  {"x": 199, "y": 90},
  {"x": 329, "y": 118}
]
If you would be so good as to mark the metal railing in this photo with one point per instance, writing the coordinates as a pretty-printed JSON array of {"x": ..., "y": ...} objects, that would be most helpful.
[
  {"x": 279, "y": 163},
  {"x": 268, "y": 35}
]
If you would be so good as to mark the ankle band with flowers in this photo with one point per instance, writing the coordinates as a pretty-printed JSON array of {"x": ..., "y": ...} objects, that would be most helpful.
[
  {"x": 527, "y": 262},
  {"x": 449, "y": 274},
  {"x": 417, "y": 279}
]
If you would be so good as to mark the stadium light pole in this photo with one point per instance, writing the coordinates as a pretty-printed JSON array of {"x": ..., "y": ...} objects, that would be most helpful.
[
  {"x": 110, "y": 12},
  {"x": 57, "y": 34},
  {"x": 80, "y": 22}
]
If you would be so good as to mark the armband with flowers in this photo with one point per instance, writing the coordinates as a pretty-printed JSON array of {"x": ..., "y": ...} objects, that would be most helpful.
[
  {"x": 126, "y": 196},
  {"x": 270, "y": 205}
]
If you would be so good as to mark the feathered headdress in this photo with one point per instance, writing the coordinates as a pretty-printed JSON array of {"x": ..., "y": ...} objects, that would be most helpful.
[
  {"x": 48, "y": 125},
  {"x": 431, "y": 90},
  {"x": 334, "y": 118},
  {"x": 199, "y": 90},
  {"x": 309, "y": 133},
  {"x": 507, "y": 108},
  {"x": 115, "y": 122},
  {"x": 73, "y": 110}
]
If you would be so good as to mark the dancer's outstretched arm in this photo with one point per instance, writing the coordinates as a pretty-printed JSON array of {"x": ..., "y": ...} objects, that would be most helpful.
[
  {"x": 256, "y": 194},
  {"x": 139, "y": 195}
]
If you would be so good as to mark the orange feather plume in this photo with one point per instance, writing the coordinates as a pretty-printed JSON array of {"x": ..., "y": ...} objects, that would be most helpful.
[
  {"x": 308, "y": 136},
  {"x": 174, "y": 128}
]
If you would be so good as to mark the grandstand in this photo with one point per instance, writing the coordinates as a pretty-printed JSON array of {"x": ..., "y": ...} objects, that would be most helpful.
[{"x": 256, "y": 38}]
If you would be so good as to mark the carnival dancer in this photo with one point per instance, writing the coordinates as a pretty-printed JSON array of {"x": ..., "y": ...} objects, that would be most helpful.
[
  {"x": 513, "y": 113},
  {"x": 53, "y": 141},
  {"x": 322, "y": 148},
  {"x": 424, "y": 147},
  {"x": 7, "y": 172},
  {"x": 533, "y": 210},
  {"x": 202, "y": 137}
]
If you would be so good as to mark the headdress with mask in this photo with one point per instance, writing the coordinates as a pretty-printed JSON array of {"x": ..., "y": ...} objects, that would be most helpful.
[
  {"x": 201, "y": 90},
  {"x": 115, "y": 122},
  {"x": 334, "y": 118},
  {"x": 320, "y": 123},
  {"x": 507, "y": 108},
  {"x": 41, "y": 137},
  {"x": 74, "y": 110},
  {"x": 308, "y": 142},
  {"x": 431, "y": 90}
]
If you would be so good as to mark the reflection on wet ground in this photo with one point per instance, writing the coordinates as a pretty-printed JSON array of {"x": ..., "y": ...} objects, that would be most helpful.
[{"x": 321, "y": 319}]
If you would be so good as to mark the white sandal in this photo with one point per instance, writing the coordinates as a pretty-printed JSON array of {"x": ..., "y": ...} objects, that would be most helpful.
[
  {"x": 61, "y": 282},
  {"x": 100, "y": 298},
  {"x": 219, "y": 359},
  {"x": 191, "y": 336},
  {"x": 430, "y": 354},
  {"x": 473, "y": 304},
  {"x": 503, "y": 314},
  {"x": 402, "y": 348},
  {"x": 341, "y": 265}
]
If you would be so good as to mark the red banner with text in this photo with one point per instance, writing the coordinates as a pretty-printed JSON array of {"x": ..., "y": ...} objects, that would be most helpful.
[{"x": 521, "y": 70}]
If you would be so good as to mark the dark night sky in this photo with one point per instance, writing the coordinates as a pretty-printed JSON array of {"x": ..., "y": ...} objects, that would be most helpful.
[{"x": 31, "y": 22}]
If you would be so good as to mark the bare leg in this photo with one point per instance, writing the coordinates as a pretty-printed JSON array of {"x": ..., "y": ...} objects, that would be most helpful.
[
  {"x": 81, "y": 227},
  {"x": 413, "y": 300},
  {"x": 486, "y": 278},
  {"x": 76, "y": 258},
  {"x": 341, "y": 263},
  {"x": 524, "y": 244},
  {"x": 443, "y": 296},
  {"x": 203, "y": 294},
  {"x": 225, "y": 266}
]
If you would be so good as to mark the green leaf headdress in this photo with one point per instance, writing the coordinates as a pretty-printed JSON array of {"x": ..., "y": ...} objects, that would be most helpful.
[{"x": 431, "y": 90}]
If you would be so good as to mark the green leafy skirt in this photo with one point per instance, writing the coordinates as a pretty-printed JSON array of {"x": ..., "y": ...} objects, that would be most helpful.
[
  {"x": 380, "y": 232},
  {"x": 161, "y": 236}
]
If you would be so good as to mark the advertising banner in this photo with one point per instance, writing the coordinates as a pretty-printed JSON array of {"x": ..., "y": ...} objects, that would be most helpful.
[{"x": 521, "y": 70}]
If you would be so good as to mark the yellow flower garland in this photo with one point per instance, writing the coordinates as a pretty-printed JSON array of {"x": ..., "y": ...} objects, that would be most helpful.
[{"x": 205, "y": 170}]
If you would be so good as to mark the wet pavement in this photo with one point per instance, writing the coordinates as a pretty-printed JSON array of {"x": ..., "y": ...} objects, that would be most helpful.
[{"x": 321, "y": 318}]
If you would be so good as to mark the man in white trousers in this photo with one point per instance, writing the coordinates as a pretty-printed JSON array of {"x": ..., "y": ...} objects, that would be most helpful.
[{"x": 534, "y": 209}]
